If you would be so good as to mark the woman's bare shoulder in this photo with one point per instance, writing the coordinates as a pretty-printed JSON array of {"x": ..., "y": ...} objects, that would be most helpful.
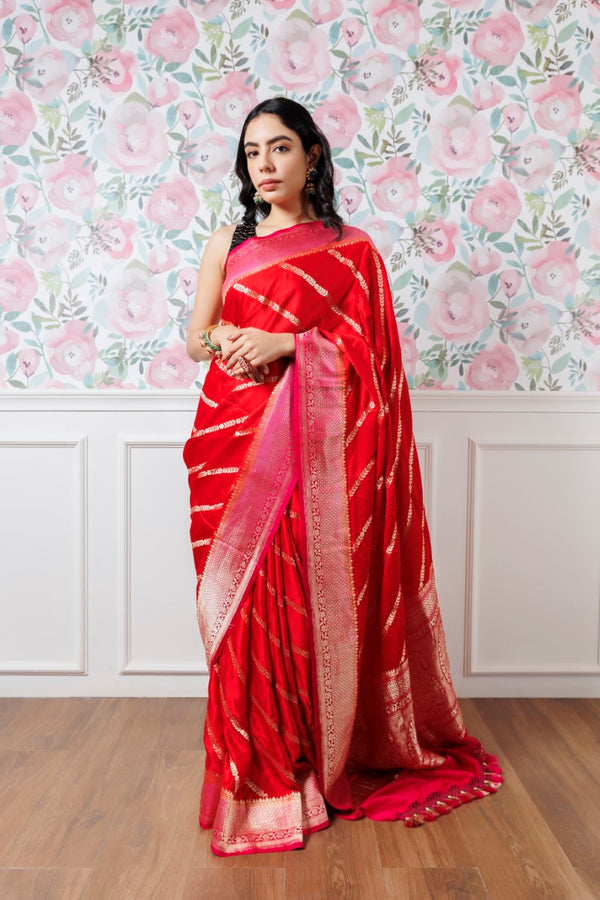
[{"x": 218, "y": 244}]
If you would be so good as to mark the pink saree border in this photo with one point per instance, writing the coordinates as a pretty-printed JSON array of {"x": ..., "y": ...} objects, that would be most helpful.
[
  {"x": 258, "y": 501},
  {"x": 319, "y": 419}
]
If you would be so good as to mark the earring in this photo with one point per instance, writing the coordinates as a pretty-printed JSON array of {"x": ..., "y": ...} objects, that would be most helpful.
[
  {"x": 311, "y": 177},
  {"x": 257, "y": 199}
]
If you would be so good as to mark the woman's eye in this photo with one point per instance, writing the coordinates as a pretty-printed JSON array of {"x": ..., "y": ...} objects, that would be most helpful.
[{"x": 282, "y": 147}]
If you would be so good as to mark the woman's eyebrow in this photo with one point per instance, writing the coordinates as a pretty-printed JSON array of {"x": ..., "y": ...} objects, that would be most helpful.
[{"x": 280, "y": 137}]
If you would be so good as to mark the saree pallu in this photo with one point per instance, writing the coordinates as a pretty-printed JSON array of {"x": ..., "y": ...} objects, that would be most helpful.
[{"x": 330, "y": 689}]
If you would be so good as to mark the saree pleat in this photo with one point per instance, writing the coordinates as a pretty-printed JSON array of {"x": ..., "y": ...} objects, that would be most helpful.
[
  {"x": 330, "y": 690},
  {"x": 260, "y": 788}
]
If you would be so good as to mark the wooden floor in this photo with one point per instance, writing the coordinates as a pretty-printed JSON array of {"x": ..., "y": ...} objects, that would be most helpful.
[{"x": 99, "y": 799}]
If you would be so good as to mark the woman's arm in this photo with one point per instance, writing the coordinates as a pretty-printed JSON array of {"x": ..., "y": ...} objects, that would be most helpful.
[{"x": 208, "y": 300}]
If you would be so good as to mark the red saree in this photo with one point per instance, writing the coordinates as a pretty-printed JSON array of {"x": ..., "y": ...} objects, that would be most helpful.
[{"x": 329, "y": 684}]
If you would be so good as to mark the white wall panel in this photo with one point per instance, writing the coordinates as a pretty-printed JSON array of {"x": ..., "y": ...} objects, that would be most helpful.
[
  {"x": 43, "y": 555},
  {"x": 534, "y": 559},
  {"x": 160, "y": 628},
  {"x": 97, "y": 584}
]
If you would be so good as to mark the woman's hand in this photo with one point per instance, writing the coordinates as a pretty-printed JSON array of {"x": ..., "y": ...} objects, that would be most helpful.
[{"x": 258, "y": 348}]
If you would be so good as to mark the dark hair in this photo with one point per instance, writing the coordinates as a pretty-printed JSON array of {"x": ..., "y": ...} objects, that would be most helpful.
[{"x": 295, "y": 117}]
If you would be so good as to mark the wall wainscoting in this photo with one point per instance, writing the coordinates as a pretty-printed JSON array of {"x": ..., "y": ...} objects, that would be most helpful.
[{"x": 97, "y": 580}]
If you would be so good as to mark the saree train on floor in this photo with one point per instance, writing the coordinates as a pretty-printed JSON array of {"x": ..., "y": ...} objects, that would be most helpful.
[{"x": 329, "y": 679}]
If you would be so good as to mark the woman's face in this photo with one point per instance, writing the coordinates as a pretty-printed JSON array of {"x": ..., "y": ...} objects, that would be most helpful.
[{"x": 277, "y": 161}]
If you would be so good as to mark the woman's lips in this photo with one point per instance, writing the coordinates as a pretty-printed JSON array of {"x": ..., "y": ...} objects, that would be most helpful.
[{"x": 268, "y": 185}]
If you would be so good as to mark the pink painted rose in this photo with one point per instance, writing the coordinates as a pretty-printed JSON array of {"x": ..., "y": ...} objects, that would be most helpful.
[
  {"x": 18, "y": 285},
  {"x": 231, "y": 98},
  {"x": 498, "y": 39},
  {"x": 6, "y": 7},
  {"x": 592, "y": 376},
  {"x": 513, "y": 115},
  {"x": 408, "y": 346},
  {"x": 17, "y": 119},
  {"x": 494, "y": 369},
  {"x": 49, "y": 241},
  {"x": 137, "y": 305},
  {"x": 322, "y": 11},
  {"x": 9, "y": 339},
  {"x": 25, "y": 26},
  {"x": 487, "y": 94},
  {"x": 440, "y": 72},
  {"x": 299, "y": 56},
  {"x": 530, "y": 327},
  {"x": 135, "y": 138},
  {"x": 350, "y": 197},
  {"x": 462, "y": 4},
  {"x": 211, "y": 160},
  {"x": 189, "y": 113},
  {"x": 394, "y": 186},
  {"x": 115, "y": 236},
  {"x": 73, "y": 349},
  {"x": 8, "y": 170},
  {"x": 495, "y": 206},
  {"x": 460, "y": 142},
  {"x": 373, "y": 77},
  {"x": 188, "y": 279},
  {"x": 116, "y": 68},
  {"x": 437, "y": 238},
  {"x": 162, "y": 91},
  {"x": 555, "y": 272},
  {"x": 338, "y": 117},
  {"x": 205, "y": 9},
  {"x": 173, "y": 35},
  {"x": 510, "y": 281},
  {"x": 172, "y": 368},
  {"x": 557, "y": 104},
  {"x": 458, "y": 308},
  {"x": 29, "y": 361},
  {"x": 71, "y": 183},
  {"x": 396, "y": 22},
  {"x": 278, "y": 4},
  {"x": 71, "y": 21},
  {"x": 27, "y": 196},
  {"x": 48, "y": 73},
  {"x": 533, "y": 163},
  {"x": 173, "y": 204},
  {"x": 534, "y": 11},
  {"x": 352, "y": 30},
  {"x": 484, "y": 260},
  {"x": 161, "y": 259},
  {"x": 379, "y": 232}
]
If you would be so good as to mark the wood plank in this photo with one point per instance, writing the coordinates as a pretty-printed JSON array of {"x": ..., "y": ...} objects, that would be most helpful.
[
  {"x": 552, "y": 770},
  {"x": 341, "y": 861},
  {"x": 148, "y": 850},
  {"x": 446, "y": 883},
  {"x": 70, "y": 820},
  {"x": 44, "y": 723},
  {"x": 233, "y": 884},
  {"x": 43, "y": 884},
  {"x": 25, "y": 776},
  {"x": 512, "y": 844},
  {"x": 440, "y": 843}
]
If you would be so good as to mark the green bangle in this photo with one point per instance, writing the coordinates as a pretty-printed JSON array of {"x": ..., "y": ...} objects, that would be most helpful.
[{"x": 214, "y": 348}]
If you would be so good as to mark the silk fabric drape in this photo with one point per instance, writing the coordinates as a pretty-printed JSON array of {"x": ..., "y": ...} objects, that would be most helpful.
[{"x": 329, "y": 678}]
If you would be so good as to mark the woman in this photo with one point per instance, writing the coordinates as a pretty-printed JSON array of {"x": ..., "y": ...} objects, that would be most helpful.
[{"x": 329, "y": 682}]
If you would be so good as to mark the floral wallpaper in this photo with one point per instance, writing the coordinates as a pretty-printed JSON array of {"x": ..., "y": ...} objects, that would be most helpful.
[{"x": 466, "y": 139}]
